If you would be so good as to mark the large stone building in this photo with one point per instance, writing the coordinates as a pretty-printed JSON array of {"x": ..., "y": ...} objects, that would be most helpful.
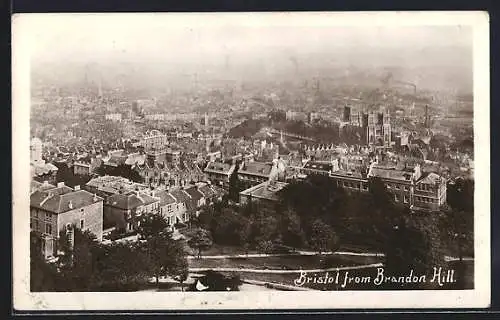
[
  {"x": 375, "y": 126},
  {"x": 408, "y": 185},
  {"x": 154, "y": 140},
  {"x": 53, "y": 210}
]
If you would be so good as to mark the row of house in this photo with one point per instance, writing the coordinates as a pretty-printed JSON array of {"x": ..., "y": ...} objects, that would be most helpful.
[
  {"x": 109, "y": 202},
  {"x": 250, "y": 173},
  {"x": 126, "y": 200}
]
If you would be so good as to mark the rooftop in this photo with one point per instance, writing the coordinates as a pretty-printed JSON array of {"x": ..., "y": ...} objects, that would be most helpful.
[
  {"x": 257, "y": 168},
  {"x": 219, "y": 167},
  {"x": 63, "y": 202},
  {"x": 430, "y": 178},
  {"x": 194, "y": 193},
  {"x": 386, "y": 173},
  {"x": 266, "y": 190},
  {"x": 181, "y": 196},
  {"x": 35, "y": 185},
  {"x": 130, "y": 200},
  {"x": 165, "y": 197},
  {"x": 207, "y": 191}
]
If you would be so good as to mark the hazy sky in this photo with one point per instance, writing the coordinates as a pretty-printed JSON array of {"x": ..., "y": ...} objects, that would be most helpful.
[{"x": 181, "y": 38}]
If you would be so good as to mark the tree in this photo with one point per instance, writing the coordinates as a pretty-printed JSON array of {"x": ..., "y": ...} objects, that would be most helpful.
[
  {"x": 150, "y": 225},
  {"x": 165, "y": 256},
  {"x": 200, "y": 240},
  {"x": 76, "y": 259},
  {"x": 121, "y": 267},
  {"x": 414, "y": 244},
  {"x": 460, "y": 195},
  {"x": 235, "y": 186},
  {"x": 228, "y": 227},
  {"x": 181, "y": 272},
  {"x": 323, "y": 237},
  {"x": 43, "y": 275},
  {"x": 291, "y": 229}
]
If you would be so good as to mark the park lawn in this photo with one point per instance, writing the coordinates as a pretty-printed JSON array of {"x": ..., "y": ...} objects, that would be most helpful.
[
  {"x": 216, "y": 250},
  {"x": 290, "y": 262}
]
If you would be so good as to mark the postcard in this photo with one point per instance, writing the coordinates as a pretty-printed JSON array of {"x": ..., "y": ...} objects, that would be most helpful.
[{"x": 251, "y": 161}]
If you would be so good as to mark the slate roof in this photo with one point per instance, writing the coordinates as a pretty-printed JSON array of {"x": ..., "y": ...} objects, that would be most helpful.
[
  {"x": 430, "y": 178},
  {"x": 165, "y": 198},
  {"x": 257, "y": 168},
  {"x": 130, "y": 201},
  {"x": 217, "y": 167},
  {"x": 35, "y": 185},
  {"x": 194, "y": 193},
  {"x": 207, "y": 191},
  {"x": 390, "y": 174},
  {"x": 182, "y": 196},
  {"x": 59, "y": 203},
  {"x": 41, "y": 169}
]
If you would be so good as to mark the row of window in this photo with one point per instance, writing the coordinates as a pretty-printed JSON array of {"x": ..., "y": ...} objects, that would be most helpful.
[
  {"x": 40, "y": 226},
  {"x": 41, "y": 215},
  {"x": 397, "y": 187},
  {"x": 425, "y": 187},
  {"x": 355, "y": 185},
  {"x": 426, "y": 200},
  {"x": 177, "y": 206}
]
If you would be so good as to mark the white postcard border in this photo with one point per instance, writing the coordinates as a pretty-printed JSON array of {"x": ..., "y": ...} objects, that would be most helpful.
[{"x": 478, "y": 297}]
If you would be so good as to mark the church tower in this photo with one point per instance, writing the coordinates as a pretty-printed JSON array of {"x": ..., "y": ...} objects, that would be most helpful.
[{"x": 386, "y": 128}]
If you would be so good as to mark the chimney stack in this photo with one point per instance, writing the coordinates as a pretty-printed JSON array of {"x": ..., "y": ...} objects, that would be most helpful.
[
  {"x": 76, "y": 188},
  {"x": 60, "y": 184}
]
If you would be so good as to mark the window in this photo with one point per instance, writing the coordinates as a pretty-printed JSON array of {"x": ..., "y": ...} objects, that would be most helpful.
[
  {"x": 81, "y": 224},
  {"x": 47, "y": 215},
  {"x": 396, "y": 187},
  {"x": 405, "y": 199},
  {"x": 48, "y": 228},
  {"x": 396, "y": 198}
]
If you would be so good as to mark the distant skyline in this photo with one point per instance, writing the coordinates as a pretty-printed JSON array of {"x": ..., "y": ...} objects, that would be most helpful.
[{"x": 148, "y": 45}]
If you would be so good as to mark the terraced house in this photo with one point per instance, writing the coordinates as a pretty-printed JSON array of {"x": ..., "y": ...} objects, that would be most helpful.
[{"x": 123, "y": 210}]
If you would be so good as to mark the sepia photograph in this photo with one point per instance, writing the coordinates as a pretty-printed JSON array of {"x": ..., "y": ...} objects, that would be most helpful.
[{"x": 251, "y": 160}]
